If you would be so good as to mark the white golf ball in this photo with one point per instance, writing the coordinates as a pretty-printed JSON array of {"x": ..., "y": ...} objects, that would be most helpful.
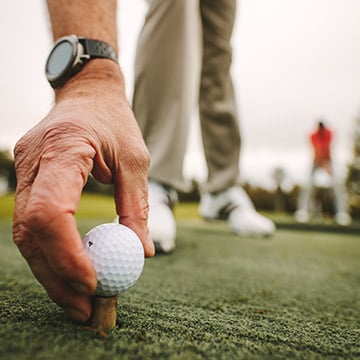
[{"x": 117, "y": 255}]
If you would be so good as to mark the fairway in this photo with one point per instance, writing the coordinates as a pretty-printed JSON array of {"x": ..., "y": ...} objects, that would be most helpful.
[{"x": 218, "y": 296}]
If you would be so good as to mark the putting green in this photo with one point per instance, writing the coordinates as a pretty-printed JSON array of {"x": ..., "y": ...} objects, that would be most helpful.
[{"x": 217, "y": 296}]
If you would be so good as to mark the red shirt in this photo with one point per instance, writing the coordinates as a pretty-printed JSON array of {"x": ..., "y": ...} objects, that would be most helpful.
[{"x": 321, "y": 140}]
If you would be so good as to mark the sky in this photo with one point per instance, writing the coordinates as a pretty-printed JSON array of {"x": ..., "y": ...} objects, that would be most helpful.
[{"x": 294, "y": 62}]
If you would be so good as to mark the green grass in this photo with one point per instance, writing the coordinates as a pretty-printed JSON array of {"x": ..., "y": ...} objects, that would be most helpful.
[
  {"x": 295, "y": 296},
  {"x": 6, "y": 206}
]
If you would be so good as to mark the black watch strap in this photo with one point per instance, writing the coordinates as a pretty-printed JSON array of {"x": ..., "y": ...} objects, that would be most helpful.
[
  {"x": 98, "y": 49},
  {"x": 70, "y": 54}
]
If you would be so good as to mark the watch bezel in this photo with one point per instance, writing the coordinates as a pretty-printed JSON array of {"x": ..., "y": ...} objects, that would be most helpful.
[{"x": 57, "y": 80}]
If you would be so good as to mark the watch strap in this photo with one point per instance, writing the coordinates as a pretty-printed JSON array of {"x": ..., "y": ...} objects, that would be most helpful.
[
  {"x": 83, "y": 50},
  {"x": 98, "y": 49}
]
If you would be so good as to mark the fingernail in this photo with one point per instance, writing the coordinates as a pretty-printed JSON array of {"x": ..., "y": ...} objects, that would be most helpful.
[
  {"x": 76, "y": 315},
  {"x": 80, "y": 288}
]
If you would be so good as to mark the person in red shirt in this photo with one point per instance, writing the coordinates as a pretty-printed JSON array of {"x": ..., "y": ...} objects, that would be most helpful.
[
  {"x": 322, "y": 177},
  {"x": 321, "y": 141}
]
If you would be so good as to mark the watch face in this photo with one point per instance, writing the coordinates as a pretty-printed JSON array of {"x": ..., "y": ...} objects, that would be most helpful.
[{"x": 60, "y": 59}]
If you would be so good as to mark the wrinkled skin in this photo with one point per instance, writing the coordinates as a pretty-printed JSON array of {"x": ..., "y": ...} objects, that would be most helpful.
[{"x": 91, "y": 129}]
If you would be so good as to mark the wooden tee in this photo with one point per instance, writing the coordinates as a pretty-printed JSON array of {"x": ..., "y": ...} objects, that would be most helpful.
[{"x": 104, "y": 313}]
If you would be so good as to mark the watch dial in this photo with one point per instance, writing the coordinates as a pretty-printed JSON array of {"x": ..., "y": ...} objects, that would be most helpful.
[{"x": 60, "y": 59}]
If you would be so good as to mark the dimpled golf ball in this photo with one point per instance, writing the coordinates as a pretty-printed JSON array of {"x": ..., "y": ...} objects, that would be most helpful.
[{"x": 117, "y": 255}]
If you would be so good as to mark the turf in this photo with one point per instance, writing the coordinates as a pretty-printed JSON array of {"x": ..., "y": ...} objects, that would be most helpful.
[{"x": 294, "y": 296}]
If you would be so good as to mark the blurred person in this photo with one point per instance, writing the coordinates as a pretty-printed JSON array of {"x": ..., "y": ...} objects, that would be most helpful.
[
  {"x": 321, "y": 142},
  {"x": 91, "y": 129},
  {"x": 183, "y": 61},
  {"x": 322, "y": 177}
]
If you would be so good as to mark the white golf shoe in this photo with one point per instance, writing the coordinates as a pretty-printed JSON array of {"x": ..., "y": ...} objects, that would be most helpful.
[
  {"x": 302, "y": 216},
  {"x": 162, "y": 225},
  {"x": 235, "y": 206},
  {"x": 342, "y": 218}
]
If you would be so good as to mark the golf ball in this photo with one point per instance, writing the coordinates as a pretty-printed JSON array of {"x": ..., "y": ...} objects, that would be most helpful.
[{"x": 117, "y": 255}]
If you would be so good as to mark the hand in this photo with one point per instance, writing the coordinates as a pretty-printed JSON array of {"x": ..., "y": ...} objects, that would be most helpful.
[{"x": 90, "y": 129}]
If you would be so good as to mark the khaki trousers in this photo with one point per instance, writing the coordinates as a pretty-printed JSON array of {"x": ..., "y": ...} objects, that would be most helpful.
[{"x": 183, "y": 61}]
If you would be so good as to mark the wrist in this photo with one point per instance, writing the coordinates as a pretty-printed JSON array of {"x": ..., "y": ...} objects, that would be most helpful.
[{"x": 97, "y": 75}]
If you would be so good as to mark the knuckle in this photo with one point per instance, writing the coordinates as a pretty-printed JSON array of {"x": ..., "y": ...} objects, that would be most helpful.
[
  {"x": 39, "y": 214},
  {"x": 19, "y": 234},
  {"x": 21, "y": 151},
  {"x": 20, "y": 147},
  {"x": 139, "y": 159},
  {"x": 136, "y": 210},
  {"x": 143, "y": 210},
  {"x": 60, "y": 136},
  {"x": 23, "y": 240},
  {"x": 17, "y": 227}
]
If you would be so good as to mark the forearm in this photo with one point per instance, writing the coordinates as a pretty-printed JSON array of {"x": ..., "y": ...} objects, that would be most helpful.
[{"x": 94, "y": 19}]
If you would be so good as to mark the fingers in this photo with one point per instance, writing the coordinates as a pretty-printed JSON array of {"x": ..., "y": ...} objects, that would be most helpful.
[
  {"x": 77, "y": 304},
  {"x": 131, "y": 198},
  {"x": 133, "y": 208},
  {"x": 46, "y": 233}
]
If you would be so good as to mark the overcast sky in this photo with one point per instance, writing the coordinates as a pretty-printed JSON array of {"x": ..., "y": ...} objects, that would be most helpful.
[{"x": 294, "y": 61}]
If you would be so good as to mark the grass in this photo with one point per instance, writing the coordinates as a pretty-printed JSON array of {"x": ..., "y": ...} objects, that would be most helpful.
[{"x": 295, "y": 296}]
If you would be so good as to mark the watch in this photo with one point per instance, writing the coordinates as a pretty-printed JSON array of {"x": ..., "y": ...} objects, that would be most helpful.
[{"x": 70, "y": 54}]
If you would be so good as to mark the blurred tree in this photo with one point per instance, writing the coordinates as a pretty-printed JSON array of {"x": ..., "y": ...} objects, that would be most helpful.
[
  {"x": 7, "y": 170},
  {"x": 280, "y": 199},
  {"x": 353, "y": 177}
]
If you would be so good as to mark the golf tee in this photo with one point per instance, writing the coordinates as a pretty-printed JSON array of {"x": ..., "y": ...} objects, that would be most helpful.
[{"x": 104, "y": 313}]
